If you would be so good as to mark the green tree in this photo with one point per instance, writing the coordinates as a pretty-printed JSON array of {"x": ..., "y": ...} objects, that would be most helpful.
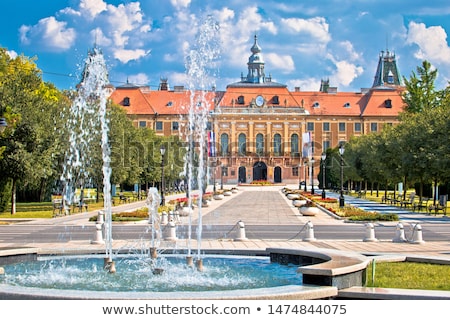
[{"x": 420, "y": 91}]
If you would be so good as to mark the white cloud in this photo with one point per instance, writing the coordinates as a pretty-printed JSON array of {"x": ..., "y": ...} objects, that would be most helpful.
[
  {"x": 12, "y": 54},
  {"x": 432, "y": 43},
  {"x": 317, "y": 28},
  {"x": 345, "y": 73},
  {"x": 139, "y": 79},
  {"x": 282, "y": 63},
  {"x": 180, "y": 4},
  {"x": 92, "y": 8},
  {"x": 251, "y": 21},
  {"x": 125, "y": 55},
  {"x": 49, "y": 32},
  {"x": 309, "y": 84}
]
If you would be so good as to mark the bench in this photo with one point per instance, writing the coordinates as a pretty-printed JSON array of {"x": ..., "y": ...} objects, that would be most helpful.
[
  {"x": 123, "y": 199},
  {"x": 420, "y": 204},
  {"x": 409, "y": 201},
  {"x": 440, "y": 206},
  {"x": 59, "y": 209},
  {"x": 80, "y": 206}
]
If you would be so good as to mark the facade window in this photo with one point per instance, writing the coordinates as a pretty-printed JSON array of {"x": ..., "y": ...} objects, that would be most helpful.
[
  {"x": 209, "y": 126},
  {"x": 295, "y": 171},
  {"x": 341, "y": 126},
  {"x": 374, "y": 127},
  {"x": 326, "y": 145},
  {"x": 224, "y": 144},
  {"x": 142, "y": 124},
  {"x": 224, "y": 171},
  {"x": 259, "y": 144},
  {"x": 277, "y": 144},
  {"x": 310, "y": 126},
  {"x": 175, "y": 125},
  {"x": 357, "y": 126},
  {"x": 242, "y": 141},
  {"x": 159, "y": 126},
  {"x": 294, "y": 145},
  {"x": 326, "y": 126}
]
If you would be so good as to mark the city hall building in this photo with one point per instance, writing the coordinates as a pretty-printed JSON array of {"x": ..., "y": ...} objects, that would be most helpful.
[{"x": 263, "y": 131}]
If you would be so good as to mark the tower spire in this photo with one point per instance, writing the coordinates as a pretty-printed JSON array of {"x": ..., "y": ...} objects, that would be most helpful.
[{"x": 387, "y": 73}]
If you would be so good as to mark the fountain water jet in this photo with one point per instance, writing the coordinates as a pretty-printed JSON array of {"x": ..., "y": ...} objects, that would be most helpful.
[
  {"x": 87, "y": 118},
  {"x": 199, "y": 62}
]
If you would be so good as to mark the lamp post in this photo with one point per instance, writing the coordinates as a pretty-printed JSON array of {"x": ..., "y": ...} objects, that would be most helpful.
[
  {"x": 162, "y": 149},
  {"x": 221, "y": 176},
  {"x": 214, "y": 175},
  {"x": 324, "y": 157},
  {"x": 341, "y": 197},
  {"x": 305, "y": 165},
  {"x": 300, "y": 175},
  {"x": 312, "y": 175}
]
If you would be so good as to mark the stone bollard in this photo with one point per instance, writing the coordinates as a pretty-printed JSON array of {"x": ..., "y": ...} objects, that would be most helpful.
[
  {"x": 171, "y": 231},
  {"x": 99, "y": 229},
  {"x": 309, "y": 235},
  {"x": 164, "y": 218},
  {"x": 417, "y": 234},
  {"x": 370, "y": 233},
  {"x": 399, "y": 234},
  {"x": 241, "y": 232}
]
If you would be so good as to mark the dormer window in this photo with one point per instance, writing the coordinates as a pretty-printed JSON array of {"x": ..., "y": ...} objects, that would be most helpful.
[
  {"x": 126, "y": 102},
  {"x": 275, "y": 100},
  {"x": 347, "y": 105},
  {"x": 170, "y": 103},
  {"x": 240, "y": 100},
  {"x": 388, "y": 103},
  {"x": 390, "y": 77},
  {"x": 316, "y": 104}
]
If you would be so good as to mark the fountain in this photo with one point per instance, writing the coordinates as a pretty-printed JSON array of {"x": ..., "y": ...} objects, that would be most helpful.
[{"x": 143, "y": 276}]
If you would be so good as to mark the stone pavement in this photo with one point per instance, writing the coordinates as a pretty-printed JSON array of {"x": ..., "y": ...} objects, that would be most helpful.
[{"x": 257, "y": 205}]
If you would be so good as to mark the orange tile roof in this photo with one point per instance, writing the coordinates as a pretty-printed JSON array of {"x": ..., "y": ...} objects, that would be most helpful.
[
  {"x": 138, "y": 102},
  {"x": 328, "y": 104},
  {"x": 376, "y": 102},
  {"x": 355, "y": 104}
]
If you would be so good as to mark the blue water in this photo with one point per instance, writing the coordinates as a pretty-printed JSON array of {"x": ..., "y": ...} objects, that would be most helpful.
[{"x": 135, "y": 274}]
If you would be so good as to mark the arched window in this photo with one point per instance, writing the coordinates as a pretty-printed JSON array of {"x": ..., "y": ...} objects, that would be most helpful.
[
  {"x": 242, "y": 144},
  {"x": 224, "y": 144},
  {"x": 294, "y": 144},
  {"x": 277, "y": 144},
  {"x": 259, "y": 144}
]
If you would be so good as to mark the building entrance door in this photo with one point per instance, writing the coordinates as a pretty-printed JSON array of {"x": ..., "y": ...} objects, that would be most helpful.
[
  {"x": 259, "y": 171},
  {"x": 277, "y": 175},
  {"x": 242, "y": 178}
]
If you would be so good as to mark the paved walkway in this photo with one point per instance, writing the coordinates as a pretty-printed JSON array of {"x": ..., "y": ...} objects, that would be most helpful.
[{"x": 262, "y": 206}]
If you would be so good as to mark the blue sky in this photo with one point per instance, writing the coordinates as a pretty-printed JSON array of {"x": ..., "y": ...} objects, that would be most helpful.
[{"x": 302, "y": 41}]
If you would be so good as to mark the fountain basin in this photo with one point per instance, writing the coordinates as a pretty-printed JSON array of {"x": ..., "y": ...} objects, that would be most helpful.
[{"x": 290, "y": 289}]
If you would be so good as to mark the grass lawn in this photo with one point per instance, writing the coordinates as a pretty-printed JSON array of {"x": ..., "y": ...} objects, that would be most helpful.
[
  {"x": 37, "y": 210},
  {"x": 409, "y": 275}
]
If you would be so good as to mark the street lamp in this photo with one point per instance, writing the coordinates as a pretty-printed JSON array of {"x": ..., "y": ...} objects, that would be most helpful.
[
  {"x": 312, "y": 175},
  {"x": 341, "y": 197},
  {"x": 214, "y": 175},
  {"x": 221, "y": 177},
  {"x": 162, "y": 149},
  {"x": 324, "y": 157},
  {"x": 299, "y": 175},
  {"x": 306, "y": 166}
]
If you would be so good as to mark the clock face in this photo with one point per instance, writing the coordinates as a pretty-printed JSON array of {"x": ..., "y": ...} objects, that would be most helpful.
[{"x": 259, "y": 101}]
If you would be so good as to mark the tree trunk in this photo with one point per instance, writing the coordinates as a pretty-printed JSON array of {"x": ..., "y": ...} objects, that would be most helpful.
[{"x": 13, "y": 196}]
